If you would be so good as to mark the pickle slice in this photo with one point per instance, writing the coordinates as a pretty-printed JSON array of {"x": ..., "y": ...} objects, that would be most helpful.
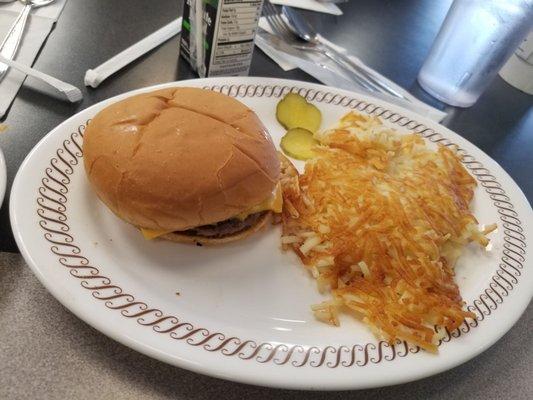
[
  {"x": 298, "y": 143},
  {"x": 295, "y": 112}
]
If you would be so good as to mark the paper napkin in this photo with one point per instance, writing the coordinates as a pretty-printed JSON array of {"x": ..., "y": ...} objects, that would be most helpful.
[{"x": 39, "y": 26}]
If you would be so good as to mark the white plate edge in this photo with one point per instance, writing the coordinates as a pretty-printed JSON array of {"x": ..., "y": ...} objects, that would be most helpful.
[{"x": 215, "y": 371}]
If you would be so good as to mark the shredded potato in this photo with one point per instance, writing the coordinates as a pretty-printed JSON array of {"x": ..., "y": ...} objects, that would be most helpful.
[{"x": 380, "y": 220}]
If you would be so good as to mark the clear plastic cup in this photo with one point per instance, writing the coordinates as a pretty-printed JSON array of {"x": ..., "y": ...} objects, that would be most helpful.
[{"x": 475, "y": 40}]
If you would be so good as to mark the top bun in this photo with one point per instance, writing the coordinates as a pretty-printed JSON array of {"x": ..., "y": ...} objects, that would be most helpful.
[{"x": 178, "y": 158}]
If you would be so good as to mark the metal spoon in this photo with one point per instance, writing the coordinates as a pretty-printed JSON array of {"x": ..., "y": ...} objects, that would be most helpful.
[
  {"x": 10, "y": 45},
  {"x": 305, "y": 31}
]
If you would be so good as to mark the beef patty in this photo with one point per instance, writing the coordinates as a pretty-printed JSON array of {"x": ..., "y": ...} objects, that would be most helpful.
[{"x": 226, "y": 227}]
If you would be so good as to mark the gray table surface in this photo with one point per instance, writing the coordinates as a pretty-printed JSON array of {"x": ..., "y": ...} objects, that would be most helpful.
[{"x": 47, "y": 353}]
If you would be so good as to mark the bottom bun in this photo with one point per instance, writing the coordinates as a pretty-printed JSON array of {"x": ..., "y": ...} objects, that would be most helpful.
[{"x": 213, "y": 241}]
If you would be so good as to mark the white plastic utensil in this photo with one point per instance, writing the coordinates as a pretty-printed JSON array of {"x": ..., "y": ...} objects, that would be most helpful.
[
  {"x": 93, "y": 77},
  {"x": 72, "y": 93}
]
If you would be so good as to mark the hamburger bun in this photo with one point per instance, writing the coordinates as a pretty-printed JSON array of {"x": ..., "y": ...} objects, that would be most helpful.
[{"x": 175, "y": 159}]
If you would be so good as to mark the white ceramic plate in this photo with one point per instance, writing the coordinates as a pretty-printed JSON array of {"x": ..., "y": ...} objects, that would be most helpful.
[
  {"x": 243, "y": 309},
  {"x": 3, "y": 177}
]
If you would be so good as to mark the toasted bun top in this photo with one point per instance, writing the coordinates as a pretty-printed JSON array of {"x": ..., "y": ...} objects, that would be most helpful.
[{"x": 177, "y": 158}]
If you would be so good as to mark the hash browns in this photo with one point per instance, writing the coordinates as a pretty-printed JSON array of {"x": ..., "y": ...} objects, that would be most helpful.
[{"x": 380, "y": 220}]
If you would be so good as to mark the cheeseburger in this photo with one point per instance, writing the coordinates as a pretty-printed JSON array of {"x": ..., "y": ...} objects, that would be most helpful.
[{"x": 184, "y": 164}]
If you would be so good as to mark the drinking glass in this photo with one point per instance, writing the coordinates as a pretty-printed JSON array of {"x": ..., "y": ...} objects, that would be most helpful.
[{"x": 475, "y": 40}]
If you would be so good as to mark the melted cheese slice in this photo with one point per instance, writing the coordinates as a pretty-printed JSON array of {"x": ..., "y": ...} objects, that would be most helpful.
[
  {"x": 150, "y": 234},
  {"x": 273, "y": 203}
]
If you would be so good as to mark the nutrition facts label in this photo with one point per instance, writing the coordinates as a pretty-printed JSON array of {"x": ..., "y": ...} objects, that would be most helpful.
[{"x": 234, "y": 37}]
